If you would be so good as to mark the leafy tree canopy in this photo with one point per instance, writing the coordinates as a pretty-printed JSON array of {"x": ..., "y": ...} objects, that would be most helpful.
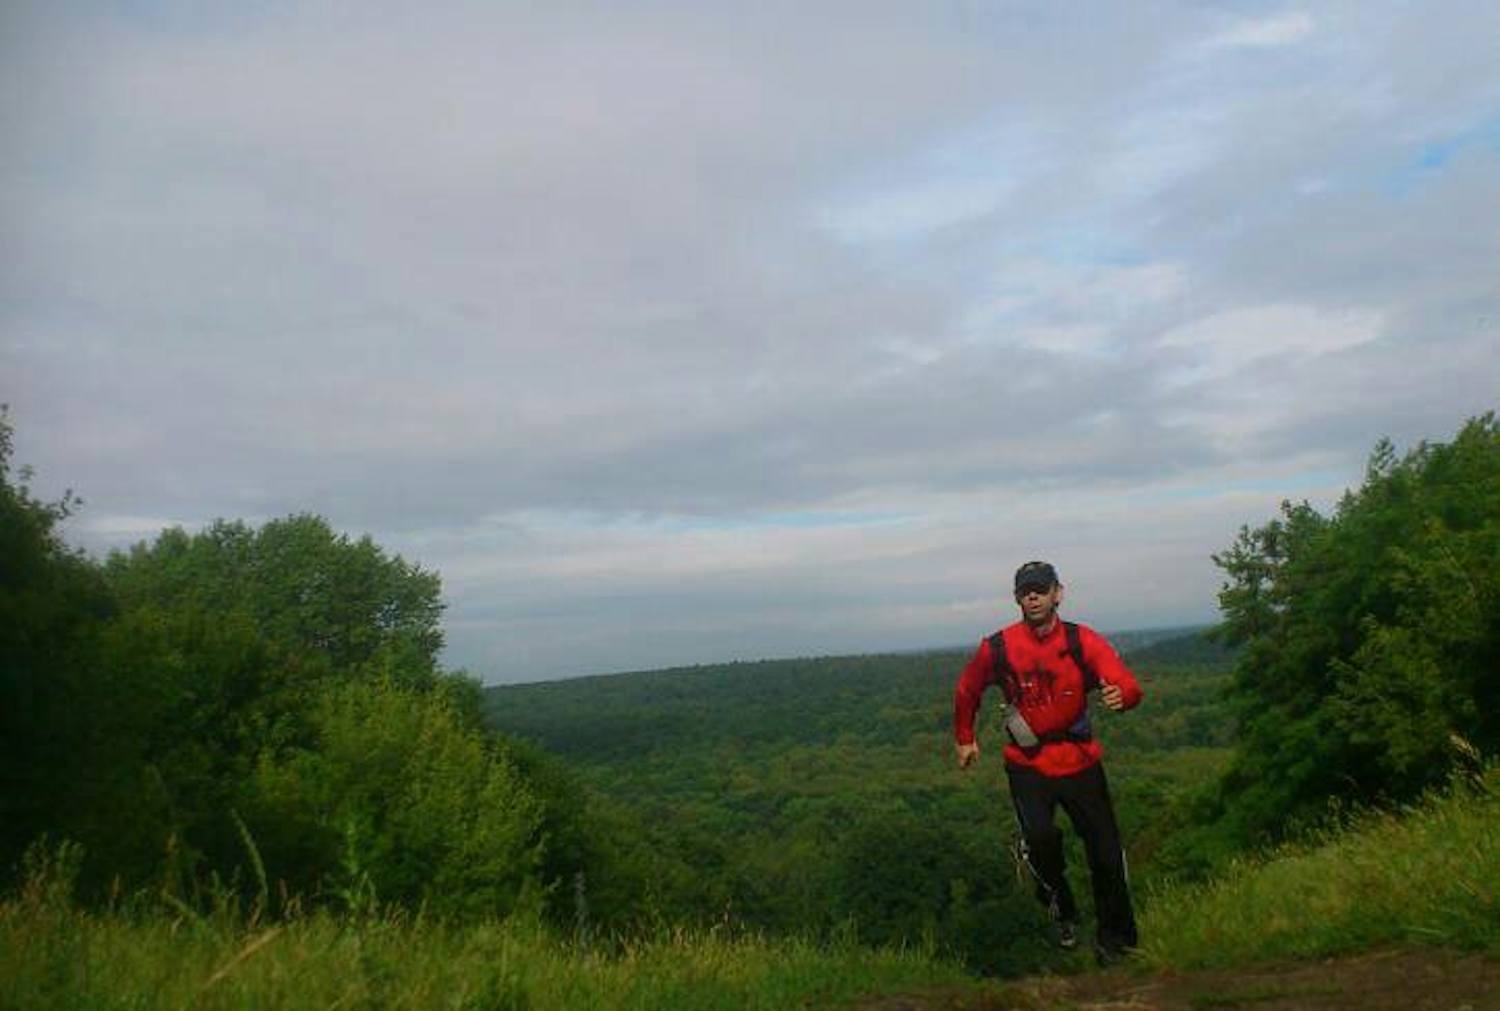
[
  {"x": 1371, "y": 663},
  {"x": 306, "y": 588},
  {"x": 264, "y": 704}
]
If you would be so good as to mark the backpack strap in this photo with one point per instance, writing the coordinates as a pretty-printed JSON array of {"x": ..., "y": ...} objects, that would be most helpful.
[
  {"x": 1005, "y": 674},
  {"x": 1082, "y": 729},
  {"x": 1075, "y": 649}
]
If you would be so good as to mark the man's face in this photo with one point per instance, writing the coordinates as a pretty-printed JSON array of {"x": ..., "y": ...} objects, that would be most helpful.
[{"x": 1038, "y": 603}]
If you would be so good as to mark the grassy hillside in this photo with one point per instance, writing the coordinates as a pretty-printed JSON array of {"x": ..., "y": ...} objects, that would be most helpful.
[
  {"x": 53, "y": 956},
  {"x": 1429, "y": 875}
]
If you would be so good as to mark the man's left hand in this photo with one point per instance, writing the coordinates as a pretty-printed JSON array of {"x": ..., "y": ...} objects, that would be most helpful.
[{"x": 1113, "y": 697}]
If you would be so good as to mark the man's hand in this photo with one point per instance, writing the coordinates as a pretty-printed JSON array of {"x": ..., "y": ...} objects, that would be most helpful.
[
  {"x": 968, "y": 754},
  {"x": 1113, "y": 697}
]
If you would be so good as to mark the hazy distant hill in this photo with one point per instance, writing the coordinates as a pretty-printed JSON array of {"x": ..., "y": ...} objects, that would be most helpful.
[
  {"x": 878, "y": 700},
  {"x": 1191, "y": 645}
]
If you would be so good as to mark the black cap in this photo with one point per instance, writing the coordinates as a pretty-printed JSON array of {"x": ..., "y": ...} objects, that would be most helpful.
[{"x": 1036, "y": 574}]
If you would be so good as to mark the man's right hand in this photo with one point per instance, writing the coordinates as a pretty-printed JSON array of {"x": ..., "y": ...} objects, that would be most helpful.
[{"x": 968, "y": 754}]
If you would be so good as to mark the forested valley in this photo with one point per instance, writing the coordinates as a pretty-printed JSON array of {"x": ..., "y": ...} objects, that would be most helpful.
[
  {"x": 252, "y": 723},
  {"x": 822, "y": 795}
]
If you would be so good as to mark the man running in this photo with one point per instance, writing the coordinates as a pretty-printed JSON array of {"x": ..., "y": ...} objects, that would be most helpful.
[{"x": 1046, "y": 667}]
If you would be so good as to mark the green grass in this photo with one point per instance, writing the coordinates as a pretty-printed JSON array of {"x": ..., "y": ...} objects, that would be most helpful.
[
  {"x": 1427, "y": 875},
  {"x": 53, "y": 955}
]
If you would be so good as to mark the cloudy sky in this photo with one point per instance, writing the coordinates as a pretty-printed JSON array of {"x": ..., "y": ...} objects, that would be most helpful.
[{"x": 682, "y": 332}]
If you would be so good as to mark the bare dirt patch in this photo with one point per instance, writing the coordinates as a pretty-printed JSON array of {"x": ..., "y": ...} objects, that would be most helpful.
[{"x": 1395, "y": 980}]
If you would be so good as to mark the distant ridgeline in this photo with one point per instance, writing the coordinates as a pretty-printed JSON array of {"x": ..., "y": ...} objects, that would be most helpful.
[{"x": 602, "y": 717}]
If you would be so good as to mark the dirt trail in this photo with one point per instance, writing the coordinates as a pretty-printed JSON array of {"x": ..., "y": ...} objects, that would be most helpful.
[{"x": 1404, "y": 980}]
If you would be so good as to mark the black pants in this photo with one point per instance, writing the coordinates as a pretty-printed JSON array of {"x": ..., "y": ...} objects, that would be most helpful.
[{"x": 1085, "y": 796}]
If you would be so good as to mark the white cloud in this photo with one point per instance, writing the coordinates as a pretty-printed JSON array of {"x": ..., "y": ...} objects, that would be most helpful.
[
  {"x": 1278, "y": 30},
  {"x": 621, "y": 316},
  {"x": 1226, "y": 343},
  {"x": 118, "y": 531}
]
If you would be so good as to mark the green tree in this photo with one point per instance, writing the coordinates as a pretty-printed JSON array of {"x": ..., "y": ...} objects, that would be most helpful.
[
  {"x": 318, "y": 594},
  {"x": 396, "y": 795},
  {"x": 219, "y": 645},
  {"x": 1372, "y": 637},
  {"x": 277, "y": 686},
  {"x": 54, "y": 768}
]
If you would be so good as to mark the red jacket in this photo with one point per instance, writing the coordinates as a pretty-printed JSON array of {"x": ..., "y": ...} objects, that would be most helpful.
[{"x": 1050, "y": 690}]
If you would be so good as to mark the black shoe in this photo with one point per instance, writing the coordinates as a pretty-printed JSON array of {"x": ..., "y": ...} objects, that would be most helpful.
[{"x": 1064, "y": 930}]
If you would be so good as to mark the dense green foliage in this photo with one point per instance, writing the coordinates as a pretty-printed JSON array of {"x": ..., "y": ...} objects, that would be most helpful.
[
  {"x": 53, "y": 605},
  {"x": 1371, "y": 663},
  {"x": 264, "y": 706},
  {"x": 815, "y": 796}
]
